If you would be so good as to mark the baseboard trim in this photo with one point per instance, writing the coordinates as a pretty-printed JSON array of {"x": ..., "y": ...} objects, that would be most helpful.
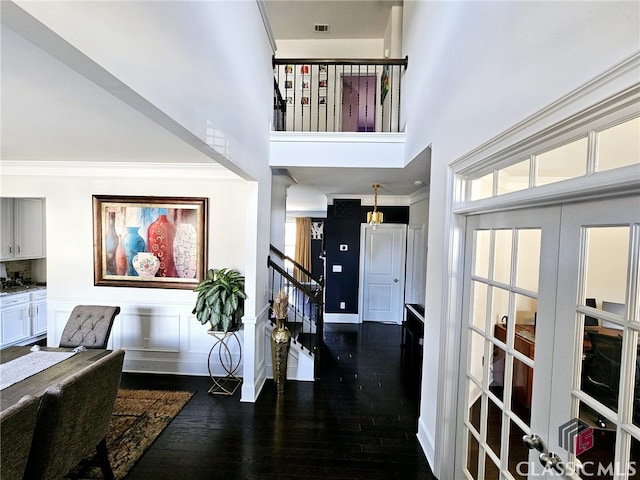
[
  {"x": 341, "y": 318},
  {"x": 427, "y": 444}
]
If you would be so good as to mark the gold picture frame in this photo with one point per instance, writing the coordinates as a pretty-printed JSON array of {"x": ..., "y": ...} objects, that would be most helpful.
[{"x": 150, "y": 242}]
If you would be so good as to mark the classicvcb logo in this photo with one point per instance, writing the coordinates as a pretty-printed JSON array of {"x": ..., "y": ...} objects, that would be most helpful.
[{"x": 575, "y": 436}]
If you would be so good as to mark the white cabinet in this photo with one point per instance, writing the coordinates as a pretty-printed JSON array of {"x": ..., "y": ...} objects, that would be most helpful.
[
  {"x": 22, "y": 228},
  {"x": 23, "y": 317},
  {"x": 15, "y": 319},
  {"x": 38, "y": 313},
  {"x": 6, "y": 228}
]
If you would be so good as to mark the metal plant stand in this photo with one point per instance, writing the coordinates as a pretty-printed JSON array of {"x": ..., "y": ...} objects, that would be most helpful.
[{"x": 229, "y": 383}]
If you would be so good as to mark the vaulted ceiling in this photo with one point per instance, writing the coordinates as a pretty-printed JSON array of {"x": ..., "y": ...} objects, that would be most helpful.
[{"x": 50, "y": 112}]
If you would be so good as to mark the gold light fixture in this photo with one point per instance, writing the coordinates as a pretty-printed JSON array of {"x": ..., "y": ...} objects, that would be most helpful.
[{"x": 375, "y": 217}]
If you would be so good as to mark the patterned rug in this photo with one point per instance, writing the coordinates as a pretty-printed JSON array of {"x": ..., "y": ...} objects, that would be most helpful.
[{"x": 139, "y": 416}]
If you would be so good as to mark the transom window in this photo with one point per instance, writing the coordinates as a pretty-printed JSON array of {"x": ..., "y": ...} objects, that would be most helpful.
[{"x": 595, "y": 151}]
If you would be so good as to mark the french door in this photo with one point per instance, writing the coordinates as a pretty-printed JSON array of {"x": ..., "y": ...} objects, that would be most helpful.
[{"x": 540, "y": 395}]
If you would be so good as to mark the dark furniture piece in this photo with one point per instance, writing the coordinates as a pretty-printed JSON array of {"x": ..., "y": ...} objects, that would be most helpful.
[
  {"x": 524, "y": 343},
  {"x": 17, "y": 424},
  {"x": 36, "y": 384},
  {"x": 73, "y": 420},
  {"x": 601, "y": 378},
  {"x": 89, "y": 326},
  {"x": 413, "y": 337}
]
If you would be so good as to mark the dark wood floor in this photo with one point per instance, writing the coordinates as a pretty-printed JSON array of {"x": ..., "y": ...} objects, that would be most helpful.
[{"x": 358, "y": 422}]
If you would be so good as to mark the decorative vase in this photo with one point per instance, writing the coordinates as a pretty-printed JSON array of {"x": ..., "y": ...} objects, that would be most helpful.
[
  {"x": 185, "y": 251},
  {"x": 146, "y": 264},
  {"x": 111, "y": 244},
  {"x": 280, "y": 341},
  {"x": 133, "y": 244},
  {"x": 160, "y": 237},
  {"x": 121, "y": 258}
]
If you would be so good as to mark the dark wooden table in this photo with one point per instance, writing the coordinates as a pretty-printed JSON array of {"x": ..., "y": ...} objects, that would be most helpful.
[{"x": 36, "y": 384}]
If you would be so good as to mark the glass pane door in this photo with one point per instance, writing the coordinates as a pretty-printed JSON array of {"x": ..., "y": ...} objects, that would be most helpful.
[
  {"x": 502, "y": 397},
  {"x": 596, "y": 384}
]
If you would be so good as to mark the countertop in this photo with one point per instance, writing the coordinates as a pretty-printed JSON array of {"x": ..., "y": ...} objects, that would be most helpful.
[{"x": 21, "y": 289}]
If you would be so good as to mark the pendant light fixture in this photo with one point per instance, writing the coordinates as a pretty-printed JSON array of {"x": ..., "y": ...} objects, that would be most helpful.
[{"x": 375, "y": 217}]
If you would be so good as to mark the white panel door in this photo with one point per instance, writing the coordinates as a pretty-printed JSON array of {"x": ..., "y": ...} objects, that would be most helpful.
[{"x": 382, "y": 269}]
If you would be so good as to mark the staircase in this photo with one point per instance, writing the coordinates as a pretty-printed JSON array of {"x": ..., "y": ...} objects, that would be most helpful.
[{"x": 306, "y": 304}]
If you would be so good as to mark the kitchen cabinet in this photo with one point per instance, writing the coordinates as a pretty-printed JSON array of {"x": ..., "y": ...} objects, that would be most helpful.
[
  {"x": 15, "y": 319},
  {"x": 23, "y": 317},
  {"x": 22, "y": 224},
  {"x": 38, "y": 313}
]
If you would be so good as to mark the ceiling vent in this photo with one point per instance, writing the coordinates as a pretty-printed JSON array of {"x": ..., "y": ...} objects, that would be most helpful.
[{"x": 321, "y": 28}]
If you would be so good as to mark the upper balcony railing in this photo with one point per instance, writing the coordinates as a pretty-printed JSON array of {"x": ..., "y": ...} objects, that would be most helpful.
[{"x": 317, "y": 95}]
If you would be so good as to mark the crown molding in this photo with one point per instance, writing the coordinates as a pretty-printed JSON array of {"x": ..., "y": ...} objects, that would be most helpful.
[
  {"x": 608, "y": 91},
  {"x": 418, "y": 196},
  {"x": 115, "y": 169},
  {"x": 367, "y": 200}
]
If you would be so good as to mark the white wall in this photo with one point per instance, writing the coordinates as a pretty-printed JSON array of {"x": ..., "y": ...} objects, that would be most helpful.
[
  {"x": 170, "y": 53},
  {"x": 393, "y": 34},
  {"x": 331, "y": 48},
  {"x": 195, "y": 68},
  {"x": 175, "y": 341},
  {"x": 476, "y": 69}
]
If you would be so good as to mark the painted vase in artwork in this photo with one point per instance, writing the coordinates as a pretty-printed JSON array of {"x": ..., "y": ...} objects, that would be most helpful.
[
  {"x": 133, "y": 244},
  {"x": 160, "y": 237},
  {"x": 121, "y": 258},
  {"x": 111, "y": 244},
  {"x": 185, "y": 251},
  {"x": 146, "y": 264}
]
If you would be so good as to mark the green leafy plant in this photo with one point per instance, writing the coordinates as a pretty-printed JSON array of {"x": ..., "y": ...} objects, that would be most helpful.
[{"x": 220, "y": 299}]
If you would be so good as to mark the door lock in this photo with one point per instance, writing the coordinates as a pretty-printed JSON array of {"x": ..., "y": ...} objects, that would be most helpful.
[
  {"x": 533, "y": 441},
  {"x": 551, "y": 460}
]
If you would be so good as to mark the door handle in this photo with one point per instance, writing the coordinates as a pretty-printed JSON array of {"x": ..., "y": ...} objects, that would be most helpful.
[
  {"x": 551, "y": 460},
  {"x": 395, "y": 280},
  {"x": 534, "y": 441}
]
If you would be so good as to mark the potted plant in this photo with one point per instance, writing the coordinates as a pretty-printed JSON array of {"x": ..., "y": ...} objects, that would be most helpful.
[{"x": 220, "y": 299}]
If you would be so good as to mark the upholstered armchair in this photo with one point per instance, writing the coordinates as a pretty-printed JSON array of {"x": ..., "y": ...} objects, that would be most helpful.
[
  {"x": 17, "y": 424},
  {"x": 89, "y": 326},
  {"x": 73, "y": 420}
]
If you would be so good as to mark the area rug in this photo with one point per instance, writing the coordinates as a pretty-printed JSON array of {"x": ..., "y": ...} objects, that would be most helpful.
[{"x": 139, "y": 416}]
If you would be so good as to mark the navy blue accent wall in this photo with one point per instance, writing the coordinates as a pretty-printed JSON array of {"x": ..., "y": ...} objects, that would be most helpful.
[{"x": 344, "y": 229}]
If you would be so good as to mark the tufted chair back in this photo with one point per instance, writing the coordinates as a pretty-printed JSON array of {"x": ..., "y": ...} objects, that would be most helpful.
[
  {"x": 73, "y": 420},
  {"x": 89, "y": 326},
  {"x": 17, "y": 424}
]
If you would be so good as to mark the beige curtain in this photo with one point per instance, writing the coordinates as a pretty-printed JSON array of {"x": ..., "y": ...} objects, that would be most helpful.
[{"x": 303, "y": 247}]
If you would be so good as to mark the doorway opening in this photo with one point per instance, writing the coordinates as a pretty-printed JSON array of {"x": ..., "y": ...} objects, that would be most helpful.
[{"x": 359, "y": 103}]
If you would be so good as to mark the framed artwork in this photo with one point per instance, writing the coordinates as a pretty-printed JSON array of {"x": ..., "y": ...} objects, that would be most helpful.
[
  {"x": 322, "y": 69},
  {"x": 384, "y": 84},
  {"x": 322, "y": 100},
  {"x": 156, "y": 242},
  {"x": 305, "y": 85},
  {"x": 304, "y": 69},
  {"x": 322, "y": 83},
  {"x": 288, "y": 84},
  {"x": 304, "y": 100},
  {"x": 288, "y": 69}
]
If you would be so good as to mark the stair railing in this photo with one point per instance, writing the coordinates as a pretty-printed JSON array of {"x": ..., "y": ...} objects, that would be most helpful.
[
  {"x": 306, "y": 302},
  {"x": 338, "y": 95}
]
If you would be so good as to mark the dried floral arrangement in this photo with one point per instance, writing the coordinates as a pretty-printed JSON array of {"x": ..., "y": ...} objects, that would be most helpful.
[{"x": 281, "y": 304}]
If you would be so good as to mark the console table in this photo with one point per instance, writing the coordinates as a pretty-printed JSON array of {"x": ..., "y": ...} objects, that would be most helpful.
[{"x": 413, "y": 337}]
